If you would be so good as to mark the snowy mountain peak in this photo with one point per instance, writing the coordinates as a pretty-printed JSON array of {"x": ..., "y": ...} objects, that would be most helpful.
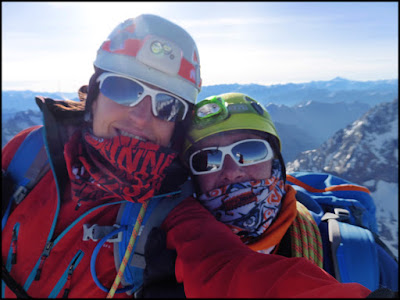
[
  {"x": 366, "y": 149},
  {"x": 366, "y": 153}
]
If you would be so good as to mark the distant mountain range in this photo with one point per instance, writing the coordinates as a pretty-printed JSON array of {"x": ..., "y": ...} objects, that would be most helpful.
[
  {"x": 306, "y": 126},
  {"x": 335, "y": 90},
  {"x": 15, "y": 101},
  {"x": 17, "y": 122},
  {"x": 365, "y": 152},
  {"x": 332, "y": 91},
  {"x": 305, "y": 114}
]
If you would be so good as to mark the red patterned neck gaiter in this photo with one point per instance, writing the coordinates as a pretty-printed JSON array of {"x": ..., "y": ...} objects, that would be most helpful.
[{"x": 121, "y": 167}]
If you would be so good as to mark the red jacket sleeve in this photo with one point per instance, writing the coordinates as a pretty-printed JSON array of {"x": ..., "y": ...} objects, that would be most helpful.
[{"x": 213, "y": 262}]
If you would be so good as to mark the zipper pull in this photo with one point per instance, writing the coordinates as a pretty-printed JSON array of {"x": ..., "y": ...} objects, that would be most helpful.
[
  {"x": 45, "y": 254},
  {"x": 68, "y": 283},
  {"x": 14, "y": 247},
  {"x": 78, "y": 205}
]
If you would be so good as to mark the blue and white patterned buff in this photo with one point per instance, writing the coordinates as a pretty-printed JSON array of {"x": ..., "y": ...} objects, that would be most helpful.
[{"x": 248, "y": 208}]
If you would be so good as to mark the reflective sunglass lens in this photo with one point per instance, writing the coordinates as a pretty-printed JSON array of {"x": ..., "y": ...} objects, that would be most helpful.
[
  {"x": 250, "y": 152},
  {"x": 127, "y": 92},
  {"x": 169, "y": 108},
  {"x": 207, "y": 160},
  {"x": 121, "y": 90},
  {"x": 247, "y": 152}
]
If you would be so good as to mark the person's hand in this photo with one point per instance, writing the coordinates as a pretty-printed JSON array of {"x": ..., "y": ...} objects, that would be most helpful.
[{"x": 159, "y": 275}]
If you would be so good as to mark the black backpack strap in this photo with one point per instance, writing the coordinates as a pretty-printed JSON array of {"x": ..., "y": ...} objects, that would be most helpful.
[
  {"x": 61, "y": 118},
  {"x": 12, "y": 284},
  {"x": 54, "y": 136},
  {"x": 384, "y": 293}
]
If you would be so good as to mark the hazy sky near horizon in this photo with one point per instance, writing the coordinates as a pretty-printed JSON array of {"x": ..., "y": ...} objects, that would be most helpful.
[{"x": 51, "y": 46}]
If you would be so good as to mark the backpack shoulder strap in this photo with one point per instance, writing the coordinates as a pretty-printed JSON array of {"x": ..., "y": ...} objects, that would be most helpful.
[
  {"x": 158, "y": 215},
  {"x": 354, "y": 254},
  {"x": 158, "y": 209},
  {"x": 347, "y": 211},
  {"x": 29, "y": 163},
  {"x": 27, "y": 167}
]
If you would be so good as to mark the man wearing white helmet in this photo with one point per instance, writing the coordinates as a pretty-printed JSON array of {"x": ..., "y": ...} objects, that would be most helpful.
[{"x": 117, "y": 148}]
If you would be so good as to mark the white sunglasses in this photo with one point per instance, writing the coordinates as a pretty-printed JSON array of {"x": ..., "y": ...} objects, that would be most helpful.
[
  {"x": 244, "y": 153},
  {"x": 129, "y": 92}
]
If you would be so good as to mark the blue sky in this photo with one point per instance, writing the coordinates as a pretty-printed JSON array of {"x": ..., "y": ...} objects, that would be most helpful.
[{"x": 51, "y": 46}]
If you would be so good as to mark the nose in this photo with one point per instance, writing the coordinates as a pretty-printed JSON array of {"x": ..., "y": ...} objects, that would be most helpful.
[
  {"x": 141, "y": 113},
  {"x": 231, "y": 172}
]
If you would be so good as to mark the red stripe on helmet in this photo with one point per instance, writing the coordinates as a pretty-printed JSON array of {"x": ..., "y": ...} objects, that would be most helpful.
[
  {"x": 187, "y": 70},
  {"x": 130, "y": 28},
  {"x": 131, "y": 47},
  {"x": 195, "y": 59}
]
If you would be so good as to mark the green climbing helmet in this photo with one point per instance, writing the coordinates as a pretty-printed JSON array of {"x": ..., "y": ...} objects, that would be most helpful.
[{"x": 226, "y": 112}]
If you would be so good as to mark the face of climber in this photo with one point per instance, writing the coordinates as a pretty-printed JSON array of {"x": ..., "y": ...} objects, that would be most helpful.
[
  {"x": 230, "y": 171},
  {"x": 111, "y": 118}
]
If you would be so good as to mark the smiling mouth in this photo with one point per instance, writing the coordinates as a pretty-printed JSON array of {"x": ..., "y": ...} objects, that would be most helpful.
[{"x": 124, "y": 133}]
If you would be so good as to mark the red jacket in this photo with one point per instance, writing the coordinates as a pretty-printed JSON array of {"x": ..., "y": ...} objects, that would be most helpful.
[
  {"x": 32, "y": 222},
  {"x": 213, "y": 262}
]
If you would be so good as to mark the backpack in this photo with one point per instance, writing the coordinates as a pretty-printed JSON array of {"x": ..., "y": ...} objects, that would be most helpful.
[
  {"x": 345, "y": 213},
  {"x": 28, "y": 166}
]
